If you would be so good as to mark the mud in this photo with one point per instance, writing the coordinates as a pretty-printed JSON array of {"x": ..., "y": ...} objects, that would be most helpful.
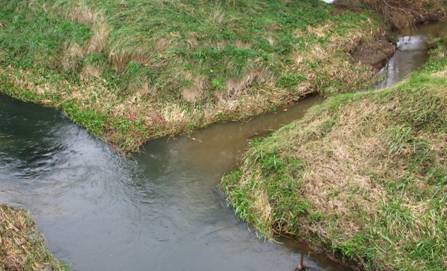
[{"x": 375, "y": 53}]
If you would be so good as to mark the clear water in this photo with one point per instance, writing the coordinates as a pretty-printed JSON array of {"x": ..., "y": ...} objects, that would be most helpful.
[
  {"x": 411, "y": 53},
  {"x": 159, "y": 210}
]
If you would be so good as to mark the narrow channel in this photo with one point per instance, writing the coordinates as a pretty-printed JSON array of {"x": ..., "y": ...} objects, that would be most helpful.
[{"x": 159, "y": 210}]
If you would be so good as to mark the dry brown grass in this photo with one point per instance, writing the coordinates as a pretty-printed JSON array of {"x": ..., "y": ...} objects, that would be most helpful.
[
  {"x": 262, "y": 205},
  {"x": 21, "y": 246},
  {"x": 82, "y": 13},
  {"x": 369, "y": 171},
  {"x": 194, "y": 93},
  {"x": 339, "y": 161},
  {"x": 355, "y": 147},
  {"x": 99, "y": 39},
  {"x": 146, "y": 86},
  {"x": 72, "y": 55},
  {"x": 334, "y": 66},
  {"x": 89, "y": 71},
  {"x": 96, "y": 21},
  {"x": 405, "y": 13},
  {"x": 237, "y": 87}
]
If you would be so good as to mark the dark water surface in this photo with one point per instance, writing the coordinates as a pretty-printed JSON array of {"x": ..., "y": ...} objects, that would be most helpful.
[{"x": 160, "y": 210}]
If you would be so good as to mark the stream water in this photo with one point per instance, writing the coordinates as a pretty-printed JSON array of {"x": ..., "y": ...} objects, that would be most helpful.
[
  {"x": 159, "y": 210},
  {"x": 411, "y": 54}
]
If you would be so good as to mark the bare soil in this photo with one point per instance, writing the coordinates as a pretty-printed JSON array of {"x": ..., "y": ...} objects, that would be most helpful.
[{"x": 375, "y": 53}]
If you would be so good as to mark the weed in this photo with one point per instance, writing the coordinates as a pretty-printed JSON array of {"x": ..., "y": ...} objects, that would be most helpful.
[
  {"x": 363, "y": 176},
  {"x": 185, "y": 64},
  {"x": 22, "y": 247}
]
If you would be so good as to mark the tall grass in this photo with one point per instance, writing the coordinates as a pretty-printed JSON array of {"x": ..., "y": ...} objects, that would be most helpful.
[
  {"x": 363, "y": 176},
  {"x": 133, "y": 70}
]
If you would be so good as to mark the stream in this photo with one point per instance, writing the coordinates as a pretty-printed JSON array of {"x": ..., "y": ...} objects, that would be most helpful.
[{"x": 160, "y": 209}]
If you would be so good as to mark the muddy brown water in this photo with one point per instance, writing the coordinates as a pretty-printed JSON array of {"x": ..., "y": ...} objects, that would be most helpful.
[{"x": 159, "y": 210}]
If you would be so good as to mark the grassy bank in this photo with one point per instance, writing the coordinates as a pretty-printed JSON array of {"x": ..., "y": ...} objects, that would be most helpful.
[
  {"x": 362, "y": 177},
  {"x": 21, "y": 245},
  {"x": 402, "y": 14},
  {"x": 129, "y": 71}
]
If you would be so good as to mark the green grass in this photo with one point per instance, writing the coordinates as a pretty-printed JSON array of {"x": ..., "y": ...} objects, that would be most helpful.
[
  {"x": 33, "y": 39},
  {"x": 175, "y": 65},
  {"x": 363, "y": 176},
  {"x": 22, "y": 247}
]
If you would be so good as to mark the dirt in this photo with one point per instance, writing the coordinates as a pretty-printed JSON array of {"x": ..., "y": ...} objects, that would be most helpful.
[
  {"x": 375, "y": 53},
  {"x": 401, "y": 14}
]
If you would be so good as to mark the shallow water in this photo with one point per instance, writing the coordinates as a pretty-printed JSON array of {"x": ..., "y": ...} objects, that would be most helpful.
[
  {"x": 160, "y": 210},
  {"x": 411, "y": 53}
]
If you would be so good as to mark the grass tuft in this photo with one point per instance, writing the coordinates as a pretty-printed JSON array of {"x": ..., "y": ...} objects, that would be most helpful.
[
  {"x": 362, "y": 176},
  {"x": 21, "y": 245},
  {"x": 173, "y": 65}
]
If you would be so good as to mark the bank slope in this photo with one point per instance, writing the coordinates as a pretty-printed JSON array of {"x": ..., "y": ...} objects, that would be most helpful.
[
  {"x": 21, "y": 245},
  {"x": 363, "y": 176},
  {"x": 129, "y": 71}
]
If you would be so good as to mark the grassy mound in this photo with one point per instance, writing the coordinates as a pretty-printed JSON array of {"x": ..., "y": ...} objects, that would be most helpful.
[
  {"x": 21, "y": 245},
  {"x": 133, "y": 70},
  {"x": 363, "y": 176}
]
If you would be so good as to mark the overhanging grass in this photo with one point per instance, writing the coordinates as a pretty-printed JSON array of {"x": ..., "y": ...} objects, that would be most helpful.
[
  {"x": 163, "y": 67},
  {"x": 369, "y": 170}
]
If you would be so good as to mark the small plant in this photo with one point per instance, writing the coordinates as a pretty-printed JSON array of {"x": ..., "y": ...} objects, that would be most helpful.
[
  {"x": 398, "y": 138},
  {"x": 362, "y": 176},
  {"x": 290, "y": 80}
]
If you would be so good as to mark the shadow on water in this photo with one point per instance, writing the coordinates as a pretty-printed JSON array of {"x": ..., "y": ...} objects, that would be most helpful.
[{"x": 159, "y": 210}]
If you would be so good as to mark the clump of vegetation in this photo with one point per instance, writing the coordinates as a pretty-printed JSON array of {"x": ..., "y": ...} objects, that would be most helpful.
[
  {"x": 363, "y": 176},
  {"x": 21, "y": 245},
  {"x": 129, "y": 71},
  {"x": 403, "y": 14}
]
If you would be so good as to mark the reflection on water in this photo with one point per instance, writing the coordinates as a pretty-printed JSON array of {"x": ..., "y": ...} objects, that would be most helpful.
[
  {"x": 411, "y": 53},
  {"x": 159, "y": 210}
]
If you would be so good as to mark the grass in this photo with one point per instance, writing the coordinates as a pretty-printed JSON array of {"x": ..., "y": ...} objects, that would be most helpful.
[
  {"x": 21, "y": 245},
  {"x": 402, "y": 14},
  {"x": 129, "y": 71},
  {"x": 363, "y": 176}
]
